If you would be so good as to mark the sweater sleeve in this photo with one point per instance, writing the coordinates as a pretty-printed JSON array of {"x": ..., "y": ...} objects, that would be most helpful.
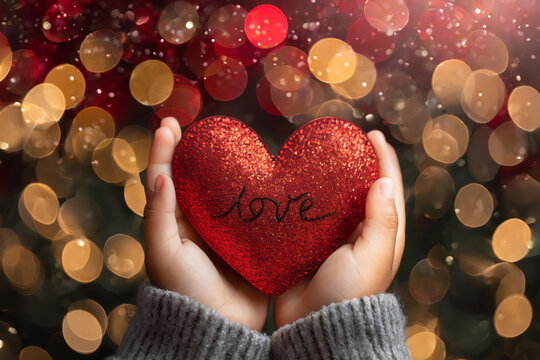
[
  {"x": 168, "y": 325},
  {"x": 372, "y": 327}
]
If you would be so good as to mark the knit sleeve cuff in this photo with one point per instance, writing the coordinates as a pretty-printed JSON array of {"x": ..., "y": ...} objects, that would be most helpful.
[
  {"x": 168, "y": 325},
  {"x": 371, "y": 327}
]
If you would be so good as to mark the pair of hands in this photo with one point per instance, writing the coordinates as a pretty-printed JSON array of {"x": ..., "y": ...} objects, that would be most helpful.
[{"x": 178, "y": 259}]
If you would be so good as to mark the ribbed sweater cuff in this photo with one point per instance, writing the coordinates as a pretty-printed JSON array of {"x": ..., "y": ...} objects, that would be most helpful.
[
  {"x": 371, "y": 327},
  {"x": 168, "y": 325}
]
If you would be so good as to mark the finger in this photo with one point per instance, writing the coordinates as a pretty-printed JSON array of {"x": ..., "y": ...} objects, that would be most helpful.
[
  {"x": 378, "y": 234},
  {"x": 389, "y": 167},
  {"x": 160, "y": 228},
  {"x": 165, "y": 140},
  {"x": 173, "y": 124}
]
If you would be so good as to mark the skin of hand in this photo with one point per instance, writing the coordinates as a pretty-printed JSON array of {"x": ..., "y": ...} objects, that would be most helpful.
[
  {"x": 176, "y": 257},
  {"x": 368, "y": 261}
]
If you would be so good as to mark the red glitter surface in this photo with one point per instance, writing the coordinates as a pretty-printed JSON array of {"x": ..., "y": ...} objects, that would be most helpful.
[{"x": 273, "y": 219}]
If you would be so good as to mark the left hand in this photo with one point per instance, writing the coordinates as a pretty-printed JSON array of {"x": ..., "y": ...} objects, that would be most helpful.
[{"x": 368, "y": 261}]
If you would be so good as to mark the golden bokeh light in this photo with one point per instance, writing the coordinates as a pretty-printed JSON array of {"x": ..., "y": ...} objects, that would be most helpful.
[
  {"x": 427, "y": 284},
  {"x": 94, "y": 117},
  {"x": 8, "y": 238},
  {"x": 508, "y": 144},
  {"x": 332, "y": 60},
  {"x": 119, "y": 319},
  {"x": 151, "y": 82},
  {"x": 104, "y": 164},
  {"x": 43, "y": 140},
  {"x": 43, "y": 104},
  {"x": 226, "y": 25},
  {"x": 124, "y": 256},
  {"x": 93, "y": 308},
  {"x": 135, "y": 196},
  {"x": 85, "y": 141},
  {"x": 82, "y": 331},
  {"x": 178, "y": 22},
  {"x": 34, "y": 353},
  {"x": 286, "y": 55},
  {"x": 70, "y": 81},
  {"x": 414, "y": 116},
  {"x": 473, "y": 205},
  {"x": 510, "y": 279},
  {"x": 513, "y": 316},
  {"x": 51, "y": 232},
  {"x": 511, "y": 240},
  {"x": 434, "y": 191},
  {"x": 387, "y": 16},
  {"x": 22, "y": 269},
  {"x": 486, "y": 50},
  {"x": 448, "y": 80},
  {"x": 425, "y": 345},
  {"x": 40, "y": 202},
  {"x": 445, "y": 138},
  {"x": 290, "y": 103},
  {"x": 335, "y": 108},
  {"x": 101, "y": 50},
  {"x": 6, "y": 56},
  {"x": 79, "y": 216},
  {"x": 479, "y": 161},
  {"x": 82, "y": 260},
  {"x": 483, "y": 95},
  {"x": 139, "y": 140},
  {"x": 524, "y": 107},
  {"x": 15, "y": 131},
  {"x": 361, "y": 82},
  {"x": 287, "y": 77}
]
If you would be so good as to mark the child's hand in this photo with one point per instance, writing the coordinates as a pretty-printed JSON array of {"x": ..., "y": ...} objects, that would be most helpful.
[
  {"x": 176, "y": 257},
  {"x": 366, "y": 264}
]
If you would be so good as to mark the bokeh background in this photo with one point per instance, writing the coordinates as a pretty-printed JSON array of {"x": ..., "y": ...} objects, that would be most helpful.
[{"x": 453, "y": 84}]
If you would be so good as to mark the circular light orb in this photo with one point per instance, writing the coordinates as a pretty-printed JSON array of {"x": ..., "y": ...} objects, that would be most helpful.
[
  {"x": 94, "y": 117},
  {"x": 124, "y": 256},
  {"x": 392, "y": 92},
  {"x": 34, "y": 353},
  {"x": 370, "y": 42},
  {"x": 6, "y": 56},
  {"x": 41, "y": 203},
  {"x": 104, "y": 163},
  {"x": 426, "y": 345},
  {"x": 428, "y": 285},
  {"x": 84, "y": 142},
  {"x": 185, "y": 100},
  {"x": 286, "y": 55},
  {"x": 473, "y": 205},
  {"x": 290, "y": 103},
  {"x": 448, "y": 80},
  {"x": 82, "y": 261},
  {"x": 79, "y": 216},
  {"x": 524, "y": 107},
  {"x": 93, "y": 308},
  {"x": 135, "y": 196},
  {"x": 445, "y": 138},
  {"x": 101, "y": 50},
  {"x": 332, "y": 60},
  {"x": 361, "y": 82},
  {"x": 15, "y": 130},
  {"x": 132, "y": 154},
  {"x": 24, "y": 71},
  {"x": 22, "y": 268},
  {"x": 479, "y": 161},
  {"x": 287, "y": 77},
  {"x": 226, "y": 26},
  {"x": 119, "y": 319},
  {"x": 511, "y": 240},
  {"x": 335, "y": 108},
  {"x": 70, "y": 81},
  {"x": 81, "y": 331},
  {"x": 225, "y": 79},
  {"x": 43, "y": 104},
  {"x": 266, "y": 26},
  {"x": 387, "y": 16},
  {"x": 414, "y": 115},
  {"x": 43, "y": 140},
  {"x": 483, "y": 95},
  {"x": 434, "y": 191},
  {"x": 486, "y": 50},
  {"x": 151, "y": 82},
  {"x": 508, "y": 144},
  {"x": 513, "y": 316},
  {"x": 178, "y": 22}
]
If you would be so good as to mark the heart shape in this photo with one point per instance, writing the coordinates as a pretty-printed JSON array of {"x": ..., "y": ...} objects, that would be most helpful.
[{"x": 273, "y": 219}]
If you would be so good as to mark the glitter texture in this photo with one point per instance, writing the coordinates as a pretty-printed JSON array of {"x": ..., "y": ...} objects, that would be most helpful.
[{"x": 274, "y": 219}]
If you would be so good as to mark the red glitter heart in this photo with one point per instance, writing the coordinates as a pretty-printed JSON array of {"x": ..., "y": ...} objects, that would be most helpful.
[{"x": 273, "y": 219}]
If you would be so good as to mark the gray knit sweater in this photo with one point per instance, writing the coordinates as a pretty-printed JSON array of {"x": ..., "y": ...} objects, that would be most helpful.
[{"x": 168, "y": 325}]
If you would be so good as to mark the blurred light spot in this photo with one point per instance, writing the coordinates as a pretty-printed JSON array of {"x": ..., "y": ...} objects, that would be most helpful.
[
  {"x": 511, "y": 240},
  {"x": 434, "y": 191},
  {"x": 473, "y": 205},
  {"x": 486, "y": 50},
  {"x": 70, "y": 81},
  {"x": 445, "y": 138},
  {"x": 82, "y": 331},
  {"x": 508, "y": 144},
  {"x": 119, "y": 319},
  {"x": 178, "y": 22},
  {"x": 124, "y": 256},
  {"x": 513, "y": 316},
  {"x": 332, "y": 60},
  {"x": 524, "y": 107},
  {"x": 427, "y": 284},
  {"x": 101, "y": 50},
  {"x": 448, "y": 81},
  {"x": 79, "y": 216},
  {"x": 483, "y": 95},
  {"x": 151, "y": 82},
  {"x": 82, "y": 260}
]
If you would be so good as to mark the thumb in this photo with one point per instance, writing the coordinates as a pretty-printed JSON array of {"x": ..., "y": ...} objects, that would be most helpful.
[
  {"x": 160, "y": 226},
  {"x": 380, "y": 227}
]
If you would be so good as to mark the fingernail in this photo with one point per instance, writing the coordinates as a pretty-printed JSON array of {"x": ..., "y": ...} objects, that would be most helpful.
[
  {"x": 386, "y": 188},
  {"x": 160, "y": 180}
]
